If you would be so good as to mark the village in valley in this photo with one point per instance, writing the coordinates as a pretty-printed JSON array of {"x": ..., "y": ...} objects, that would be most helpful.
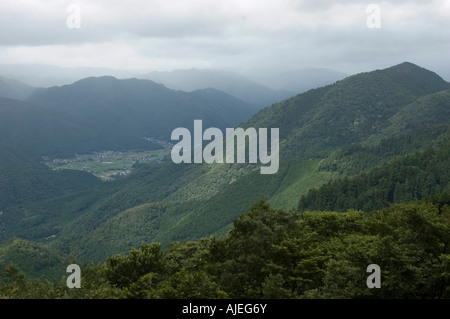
[{"x": 109, "y": 165}]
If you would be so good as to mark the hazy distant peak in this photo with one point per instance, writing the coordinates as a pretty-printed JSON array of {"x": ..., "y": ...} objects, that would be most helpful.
[
  {"x": 111, "y": 82},
  {"x": 229, "y": 82},
  {"x": 14, "y": 89},
  {"x": 97, "y": 80}
]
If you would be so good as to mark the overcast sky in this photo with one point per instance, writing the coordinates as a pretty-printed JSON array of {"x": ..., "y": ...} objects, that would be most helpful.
[{"x": 245, "y": 35}]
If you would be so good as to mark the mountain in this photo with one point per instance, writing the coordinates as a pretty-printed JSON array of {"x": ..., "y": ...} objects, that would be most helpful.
[
  {"x": 402, "y": 179},
  {"x": 159, "y": 202},
  {"x": 352, "y": 110},
  {"x": 326, "y": 133},
  {"x": 27, "y": 134},
  {"x": 23, "y": 179},
  {"x": 38, "y": 132},
  {"x": 14, "y": 89},
  {"x": 37, "y": 261},
  {"x": 341, "y": 130},
  {"x": 128, "y": 110},
  {"x": 429, "y": 109},
  {"x": 229, "y": 82}
]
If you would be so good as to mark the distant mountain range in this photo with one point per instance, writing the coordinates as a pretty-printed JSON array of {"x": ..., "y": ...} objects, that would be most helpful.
[
  {"x": 259, "y": 89},
  {"x": 38, "y": 132},
  {"x": 125, "y": 111},
  {"x": 231, "y": 83},
  {"x": 343, "y": 129},
  {"x": 14, "y": 89},
  {"x": 44, "y": 75}
]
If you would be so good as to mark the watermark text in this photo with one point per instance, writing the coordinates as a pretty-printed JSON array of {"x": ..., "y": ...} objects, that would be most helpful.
[{"x": 236, "y": 150}]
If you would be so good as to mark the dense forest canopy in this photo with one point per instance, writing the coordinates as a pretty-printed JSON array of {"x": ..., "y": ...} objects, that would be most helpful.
[{"x": 278, "y": 254}]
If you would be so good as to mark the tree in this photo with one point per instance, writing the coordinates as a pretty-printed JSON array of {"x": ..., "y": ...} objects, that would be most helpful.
[{"x": 121, "y": 271}]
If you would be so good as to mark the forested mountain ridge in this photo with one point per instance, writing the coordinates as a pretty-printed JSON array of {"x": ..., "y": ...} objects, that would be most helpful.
[
  {"x": 27, "y": 133},
  {"x": 36, "y": 260},
  {"x": 94, "y": 115},
  {"x": 274, "y": 254},
  {"x": 351, "y": 110},
  {"x": 407, "y": 178},
  {"x": 345, "y": 129},
  {"x": 37, "y": 132},
  {"x": 14, "y": 89},
  {"x": 166, "y": 202},
  {"x": 127, "y": 110},
  {"x": 22, "y": 180}
]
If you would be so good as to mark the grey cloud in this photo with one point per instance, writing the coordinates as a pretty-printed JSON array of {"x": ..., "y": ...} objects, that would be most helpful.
[{"x": 233, "y": 34}]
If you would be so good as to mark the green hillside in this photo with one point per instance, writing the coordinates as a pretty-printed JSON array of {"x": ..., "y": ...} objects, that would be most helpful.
[
  {"x": 431, "y": 109},
  {"x": 339, "y": 132},
  {"x": 23, "y": 180},
  {"x": 271, "y": 254},
  {"x": 351, "y": 110},
  {"x": 403, "y": 179},
  {"x": 38, "y": 132},
  {"x": 199, "y": 200},
  {"x": 127, "y": 110},
  {"x": 37, "y": 261}
]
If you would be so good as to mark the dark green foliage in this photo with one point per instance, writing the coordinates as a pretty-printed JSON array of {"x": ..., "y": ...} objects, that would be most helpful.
[
  {"x": 127, "y": 110},
  {"x": 382, "y": 135},
  {"x": 150, "y": 184},
  {"x": 94, "y": 286},
  {"x": 177, "y": 273},
  {"x": 278, "y": 254},
  {"x": 364, "y": 106},
  {"x": 22, "y": 179},
  {"x": 37, "y": 261},
  {"x": 423, "y": 81},
  {"x": 431, "y": 109},
  {"x": 37, "y": 132},
  {"x": 354, "y": 159},
  {"x": 140, "y": 208},
  {"x": 403, "y": 179},
  {"x": 123, "y": 271},
  {"x": 262, "y": 245}
]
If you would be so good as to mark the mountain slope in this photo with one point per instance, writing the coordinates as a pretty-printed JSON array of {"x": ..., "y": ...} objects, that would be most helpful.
[
  {"x": 349, "y": 111},
  {"x": 403, "y": 179},
  {"x": 37, "y": 261},
  {"x": 39, "y": 132},
  {"x": 27, "y": 133},
  {"x": 431, "y": 109},
  {"x": 176, "y": 203},
  {"x": 326, "y": 133},
  {"x": 14, "y": 89},
  {"x": 24, "y": 180},
  {"x": 127, "y": 110}
]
